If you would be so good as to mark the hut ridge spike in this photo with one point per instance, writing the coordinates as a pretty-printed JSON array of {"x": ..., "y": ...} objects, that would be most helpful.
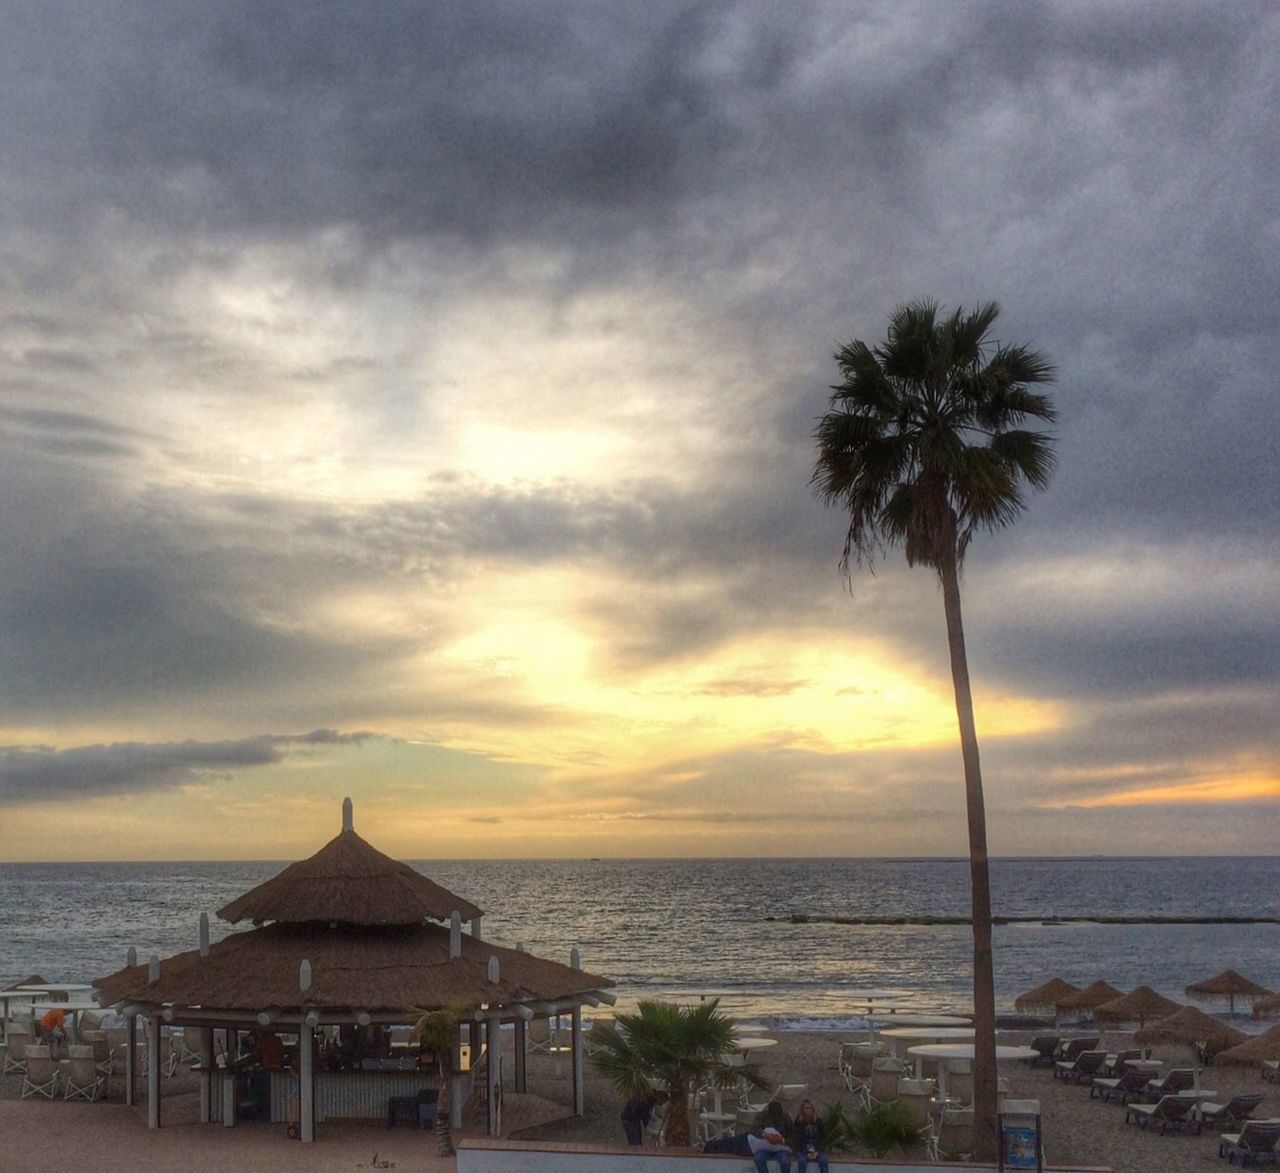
[{"x": 348, "y": 815}]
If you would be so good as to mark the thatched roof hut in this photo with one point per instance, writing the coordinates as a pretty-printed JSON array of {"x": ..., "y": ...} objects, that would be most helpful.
[
  {"x": 1228, "y": 984},
  {"x": 1088, "y": 998},
  {"x": 345, "y": 939},
  {"x": 1046, "y": 996},
  {"x": 1137, "y": 1006},
  {"x": 1255, "y": 1050},
  {"x": 1191, "y": 1025}
]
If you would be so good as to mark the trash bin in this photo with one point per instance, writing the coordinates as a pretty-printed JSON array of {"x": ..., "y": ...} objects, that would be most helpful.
[{"x": 1021, "y": 1146}]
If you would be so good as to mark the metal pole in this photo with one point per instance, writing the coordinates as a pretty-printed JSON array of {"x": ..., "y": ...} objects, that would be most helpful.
[
  {"x": 306, "y": 1098},
  {"x": 131, "y": 1071},
  {"x": 579, "y": 1087},
  {"x": 153, "y": 1072}
]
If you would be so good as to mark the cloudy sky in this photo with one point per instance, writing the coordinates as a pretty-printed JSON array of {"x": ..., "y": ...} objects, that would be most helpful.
[{"x": 416, "y": 401}]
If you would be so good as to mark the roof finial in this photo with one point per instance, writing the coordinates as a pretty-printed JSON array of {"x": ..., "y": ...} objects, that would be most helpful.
[{"x": 347, "y": 820}]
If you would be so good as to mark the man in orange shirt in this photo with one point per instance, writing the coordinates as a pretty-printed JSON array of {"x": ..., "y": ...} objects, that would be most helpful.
[{"x": 54, "y": 1026}]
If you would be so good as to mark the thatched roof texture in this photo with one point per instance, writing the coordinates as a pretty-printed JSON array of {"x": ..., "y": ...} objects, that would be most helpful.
[
  {"x": 1228, "y": 984},
  {"x": 1091, "y": 996},
  {"x": 1190, "y": 1025},
  {"x": 1269, "y": 1005},
  {"x": 1137, "y": 1006},
  {"x": 348, "y": 881},
  {"x": 372, "y": 969},
  {"x": 1263, "y": 1046},
  {"x": 1045, "y": 997}
]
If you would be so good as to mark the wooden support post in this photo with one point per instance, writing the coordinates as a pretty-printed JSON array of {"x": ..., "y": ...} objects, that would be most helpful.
[
  {"x": 206, "y": 1072},
  {"x": 579, "y": 1087},
  {"x": 153, "y": 1072},
  {"x": 493, "y": 1039},
  {"x": 131, "y": 1071},
  {"x": 306, "y": 1086},
  {"x": 521, "y": 1057}
]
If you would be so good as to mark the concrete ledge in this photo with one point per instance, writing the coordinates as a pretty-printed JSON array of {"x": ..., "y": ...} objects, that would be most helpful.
[{"x": 482, "y": 1155}]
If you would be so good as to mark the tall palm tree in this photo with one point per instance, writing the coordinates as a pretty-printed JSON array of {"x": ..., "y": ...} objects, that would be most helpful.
[
  {"x": 671, "y": 1051},
  {"x": 922, "y": 444}
]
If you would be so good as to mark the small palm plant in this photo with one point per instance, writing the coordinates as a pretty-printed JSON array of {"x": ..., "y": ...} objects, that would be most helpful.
[
  {"x": 437, "y": 1030},
  {"x": 669, "y": 1050},
  {"x": 885, "y": 1125}
]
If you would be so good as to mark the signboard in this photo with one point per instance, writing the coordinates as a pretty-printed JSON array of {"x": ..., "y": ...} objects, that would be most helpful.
[{"x": 1020, "y": 1144}]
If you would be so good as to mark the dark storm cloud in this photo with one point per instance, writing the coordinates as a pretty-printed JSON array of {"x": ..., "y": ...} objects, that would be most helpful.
[
  {"x": 42, "y": 774},
  {"x": 791, "y": 172}
]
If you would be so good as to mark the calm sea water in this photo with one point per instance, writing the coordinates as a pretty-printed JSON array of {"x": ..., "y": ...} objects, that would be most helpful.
[{"x": 686, "y": 928}]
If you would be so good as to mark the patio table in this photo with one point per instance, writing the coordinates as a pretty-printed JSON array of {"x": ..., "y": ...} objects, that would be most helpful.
[{"x": 947, "y": 1053}]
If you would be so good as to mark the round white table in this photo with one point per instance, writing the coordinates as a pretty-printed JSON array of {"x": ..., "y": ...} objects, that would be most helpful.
[
  {"x": 752, "y": 1043},
  {"x": 946, "y": 1053},
  {"x": 925, "y": 1034}
]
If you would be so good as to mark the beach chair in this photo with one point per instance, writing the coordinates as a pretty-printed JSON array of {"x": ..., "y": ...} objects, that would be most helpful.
[
  {"x": 1255, "y": 1143},
  {"x": 1083, "y": 1067},
  {"x": 41, "y": 1075},
  {"x": 82, "y": 1080},
  {"x": 885, "y": 1073},
  {"x": 1068, "y": 1049},
  {"x": 185, "y": 1047},
  {"x": 1117, "y": 1063},
  {"x": 1121, "y": 1089},
  {"x": 16, "y": 1041},
  {"x": 1046, "y": 1047},
  {"x": 1172, "y": 1111},
  {"x": 1180, "y": 1079},
  {"x": 103, "y": 1057},
  {"x": 1234, "y": 1112}
]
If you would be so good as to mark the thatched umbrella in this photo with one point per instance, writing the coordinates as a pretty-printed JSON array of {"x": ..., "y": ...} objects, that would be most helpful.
[
  {"x": 1266, "y": 1006},
  {"x": 1191, "y": 1025},
  {"x": 1090, "y": 997},
  {"x": 34, "y": 980},
  {"x": 1227, "y": 985},
  {"x": 1138, "y": 1006},
  {"x": 1258, "y": 1048},
  {"x": 1045, "y": 997}
]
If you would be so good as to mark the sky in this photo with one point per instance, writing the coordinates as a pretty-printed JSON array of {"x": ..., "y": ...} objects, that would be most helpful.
[{"x": 416, "y": 402}]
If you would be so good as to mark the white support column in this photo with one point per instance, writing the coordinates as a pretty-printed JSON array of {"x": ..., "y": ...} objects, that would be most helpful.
[
  {"x": 206, "y": 1072},
  {"x": 153, "y": 1071},
  {"x": 493, "y": 1037},
  {"x": 307, "y": 1086},
  {"x": 579, "y": 1088},
  {"x": 131, "y": 1071}
]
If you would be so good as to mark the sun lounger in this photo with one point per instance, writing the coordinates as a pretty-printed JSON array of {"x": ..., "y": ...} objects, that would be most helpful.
[
  {"x": 1068, "y": 1049},
  {"x": 1255, "y": 1143},
  {"x": 1046, "y": 1046},
  {"x": 1235, "y": 1111},
  {"x": 1120, "y": 1089},
  {"x": 1175, "y": 1111},
  {"x": 1083, "y": 1067},
  {"x": 1180, "y": 1079}
]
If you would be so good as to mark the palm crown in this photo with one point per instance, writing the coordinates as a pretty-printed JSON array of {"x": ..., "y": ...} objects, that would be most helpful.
[{"x": 922, "y": 442}]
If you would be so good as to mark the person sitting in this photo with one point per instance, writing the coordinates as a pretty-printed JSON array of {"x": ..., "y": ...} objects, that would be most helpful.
[
  {"x": 768, "y": 1138},
  {"x": 807, "y": 1138}
]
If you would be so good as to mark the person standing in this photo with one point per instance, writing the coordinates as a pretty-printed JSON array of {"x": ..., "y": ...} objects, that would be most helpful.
[
  {"x": 808, "y": 1138},
  {"x": 636, "y": 1114}
]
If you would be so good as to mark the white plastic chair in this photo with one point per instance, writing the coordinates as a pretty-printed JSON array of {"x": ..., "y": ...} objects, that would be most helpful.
[
  {"x": 41, "y": 1076},
  {"x": 82, "y": 1081}
]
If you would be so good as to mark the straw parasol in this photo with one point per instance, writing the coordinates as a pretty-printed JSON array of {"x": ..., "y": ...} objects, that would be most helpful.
[
  {"x": 1258, "y": 1048},
  {"x": 1191, "y": 1025},
  {"x": 1269, "y": 1005},
  {"x": 1138, "y": 1006},
  {"x": 34, "y": 980},
  {"x": 1045, "y": 997},
  {"x": 1228, "y": 984},
  {"x": 1091, "y": 996}
]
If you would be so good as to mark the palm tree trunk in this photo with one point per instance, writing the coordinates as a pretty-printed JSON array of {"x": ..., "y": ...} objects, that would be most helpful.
[
  {"x": 678, "y": 1132},
  {"x": 984, "y": 994}
]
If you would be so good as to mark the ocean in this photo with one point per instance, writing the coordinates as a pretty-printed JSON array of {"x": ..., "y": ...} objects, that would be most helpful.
[{"x": 687, "y": 929}]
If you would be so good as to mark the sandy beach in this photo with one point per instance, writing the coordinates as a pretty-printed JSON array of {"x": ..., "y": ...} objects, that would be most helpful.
[{"x": 108, "y": 1136}]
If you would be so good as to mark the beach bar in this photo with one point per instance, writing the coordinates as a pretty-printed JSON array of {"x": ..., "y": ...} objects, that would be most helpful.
[{"x": 347, "y": 944}]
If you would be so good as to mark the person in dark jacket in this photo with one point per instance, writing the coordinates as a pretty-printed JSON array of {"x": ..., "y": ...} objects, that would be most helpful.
[
  {"x": 768, "y": 1138},
  {"x": 807, "y": 1138},
  {"x": 636, "y": 1114}
]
